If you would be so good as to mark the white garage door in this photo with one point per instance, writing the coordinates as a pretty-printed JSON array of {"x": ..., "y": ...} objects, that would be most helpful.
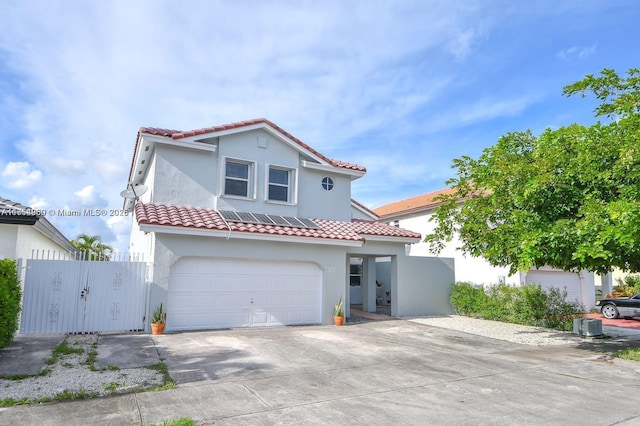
[
  {"x": 206, "y": 293},
  {"x": 558, "y": 279}
]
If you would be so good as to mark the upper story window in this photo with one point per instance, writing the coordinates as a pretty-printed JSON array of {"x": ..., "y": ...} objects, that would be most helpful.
[
  {"x": 237, "y": 178},
  {"x": 327, "y": 183},
  {"x": 280, "y": 187}
]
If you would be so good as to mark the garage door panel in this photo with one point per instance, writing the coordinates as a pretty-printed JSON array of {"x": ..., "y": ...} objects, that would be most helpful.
[
  {"x": 560, "y": 280},
  {"x": 214, "y": 293}
]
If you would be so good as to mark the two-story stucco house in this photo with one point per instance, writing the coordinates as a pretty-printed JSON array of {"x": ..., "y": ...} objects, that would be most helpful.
[
  {"x": 246, "y": 225},
  {"x": 415, "y": 214}
]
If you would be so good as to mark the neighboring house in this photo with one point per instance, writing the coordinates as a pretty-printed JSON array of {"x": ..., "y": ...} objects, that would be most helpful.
[
  {"x": 246, "y": 225},
  {"x": 24, "y": 230},
  {"x": 415, "y": 214}
]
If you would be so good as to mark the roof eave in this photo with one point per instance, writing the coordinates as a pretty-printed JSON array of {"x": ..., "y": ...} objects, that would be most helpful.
[
  {"x": 181, "y": 230},
  {"x": 388, "y": 239},
  {"x": 330, "y": 168}
]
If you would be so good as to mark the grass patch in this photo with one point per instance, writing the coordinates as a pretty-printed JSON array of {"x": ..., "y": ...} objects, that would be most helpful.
[
  {"x": 67, "y": 395},
  {"x": 168, "y": 382},
  {"x": 92, "y": 356},
  {"x": 110, "y": 387},
  {"x": 61, "y": 350},
  {"x": 184, "y": 421},
  {"x": 631, "y": 354},
  {"x": 17, "y": 376}
]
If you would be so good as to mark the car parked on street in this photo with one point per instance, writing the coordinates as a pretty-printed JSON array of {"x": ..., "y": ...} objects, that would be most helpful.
[{"x": 619, "y": 307}]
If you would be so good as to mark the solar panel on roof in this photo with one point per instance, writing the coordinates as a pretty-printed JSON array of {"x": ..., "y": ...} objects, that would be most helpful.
[
  {"x": 247, "y": 217},
  {"x": 263, "y": 218},
  {"x": 294, "y": 221},
  {"x": 279, "y": 220},
  {"x": 267, "y": 219},
  {"x": 308, "y": 223},
  {"x": 229, "y": 215}
]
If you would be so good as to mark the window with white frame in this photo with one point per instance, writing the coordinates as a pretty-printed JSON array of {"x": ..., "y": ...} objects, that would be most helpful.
[
  {"x": 280, "y": 186},
  {"x": 237, "y": 178}
]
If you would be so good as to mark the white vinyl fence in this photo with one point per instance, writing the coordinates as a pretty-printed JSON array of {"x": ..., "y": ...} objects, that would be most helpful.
[{"x": 83, "y": 296}]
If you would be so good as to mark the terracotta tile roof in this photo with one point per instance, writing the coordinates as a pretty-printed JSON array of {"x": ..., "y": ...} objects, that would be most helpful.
[
  {"x": 418, "y": 203},
  {"x": 179, "y": 134},
  {"x": 201, "y": 218}
]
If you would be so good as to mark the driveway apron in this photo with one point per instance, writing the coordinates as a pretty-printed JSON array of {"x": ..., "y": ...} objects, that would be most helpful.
[{"x": 369, "y": 373}]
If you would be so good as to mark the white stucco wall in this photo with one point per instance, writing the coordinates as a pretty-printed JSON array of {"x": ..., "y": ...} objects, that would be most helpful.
[
  {"x": 316, "y": 202},
  {"x": 184, "y": 176},
  {"x": 20, "y": 241},
  {"x": 8, "y": 238},
  {"x": 170, "y": 248},
  {"x": 424, "y": 285},
  {"x": 470, "y": 269}
]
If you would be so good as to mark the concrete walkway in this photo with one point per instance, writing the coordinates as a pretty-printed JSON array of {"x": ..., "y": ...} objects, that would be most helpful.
[{"x": 377, "y": 373}]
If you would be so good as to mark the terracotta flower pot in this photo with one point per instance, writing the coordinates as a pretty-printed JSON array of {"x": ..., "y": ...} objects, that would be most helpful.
[
  {"x": 338, "y": 320},
  {"x": 157, "y": 328}
]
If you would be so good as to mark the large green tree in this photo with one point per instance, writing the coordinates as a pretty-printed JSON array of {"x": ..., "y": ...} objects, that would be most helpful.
[
  {"x": 91, "y": 247},
  {"x": 569, "y": 198}
]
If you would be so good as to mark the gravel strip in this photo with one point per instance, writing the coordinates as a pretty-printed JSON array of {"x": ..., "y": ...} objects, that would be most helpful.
[
  {"x": 522, "y": 334},
  {"x": 70, "y": 375}
]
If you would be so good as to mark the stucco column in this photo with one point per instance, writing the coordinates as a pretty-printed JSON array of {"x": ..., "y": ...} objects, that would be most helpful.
[
  {"x": 369, "y": 284},
  {"x": 394, "y": 286},
  {"x": 607, "y": 283}
]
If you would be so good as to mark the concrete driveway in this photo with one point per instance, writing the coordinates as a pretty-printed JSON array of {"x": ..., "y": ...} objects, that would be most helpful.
[{"x": 370, "y": 373}]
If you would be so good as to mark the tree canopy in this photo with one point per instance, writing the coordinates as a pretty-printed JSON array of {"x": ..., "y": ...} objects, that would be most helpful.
[
  {"x": 91, "y": 247},
  {"x": 568, "y": 198}
]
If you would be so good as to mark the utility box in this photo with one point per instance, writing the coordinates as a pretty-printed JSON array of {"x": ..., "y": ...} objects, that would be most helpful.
[{"x": 587, "y": 327}]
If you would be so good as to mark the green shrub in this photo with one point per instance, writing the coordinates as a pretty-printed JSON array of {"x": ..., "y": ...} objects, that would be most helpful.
[
  {"x": 527, "y": 304},
  {"x": 467, "y": 299},
  {"x": 10, "y": 295},
  {"x": 629, "y": 285}
]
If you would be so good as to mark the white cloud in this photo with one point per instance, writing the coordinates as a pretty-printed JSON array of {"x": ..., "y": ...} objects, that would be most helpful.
[
  {"x": 579, "y": 51},
  {"x": 464, "y": 42},
  {"x": 36, "y": 202},
  {"x": 88, "y": 197},
  {"x": 66, "y": 166},
  {"x": 21, "y": 175}
]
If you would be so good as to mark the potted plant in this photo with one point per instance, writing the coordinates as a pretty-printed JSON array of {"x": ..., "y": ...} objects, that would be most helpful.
[
  {"x": 158, "y": 320},
  {"x": 338, "y": 313}
]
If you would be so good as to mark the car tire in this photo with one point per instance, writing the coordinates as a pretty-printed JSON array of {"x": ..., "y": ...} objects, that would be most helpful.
[{"x": 609, "y": 311}]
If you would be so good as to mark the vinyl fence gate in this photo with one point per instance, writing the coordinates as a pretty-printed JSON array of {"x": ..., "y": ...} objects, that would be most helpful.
[{"x": 82, "y": 296}]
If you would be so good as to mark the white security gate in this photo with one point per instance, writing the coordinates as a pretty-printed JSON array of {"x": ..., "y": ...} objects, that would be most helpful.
[
  {"x": 73, "y": 296},
  {"x": 208, "y": 293}
]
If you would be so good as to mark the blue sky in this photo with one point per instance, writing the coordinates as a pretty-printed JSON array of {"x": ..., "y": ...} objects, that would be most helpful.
[{"x": 401, "y": 87}]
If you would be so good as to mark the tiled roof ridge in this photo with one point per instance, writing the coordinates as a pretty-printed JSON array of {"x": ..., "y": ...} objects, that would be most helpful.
[
  {"x": 204, "y": 218},
  {"x": 411, "y": 204},
  {"x": 179, "y": 134}
]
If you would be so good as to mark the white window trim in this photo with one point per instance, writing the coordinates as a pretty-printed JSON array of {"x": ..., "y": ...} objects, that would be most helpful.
[
  {"x": 293, "y": 185},
  {"x": 251, "y": 178}
]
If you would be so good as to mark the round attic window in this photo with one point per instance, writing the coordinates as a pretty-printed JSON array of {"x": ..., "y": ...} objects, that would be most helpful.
[{"x": 327, "y": 183}]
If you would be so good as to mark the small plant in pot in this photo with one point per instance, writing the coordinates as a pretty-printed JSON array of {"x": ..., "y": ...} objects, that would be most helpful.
[
  {"x": 338, "y": 313},
  {"x": 158, "y": 320}
]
